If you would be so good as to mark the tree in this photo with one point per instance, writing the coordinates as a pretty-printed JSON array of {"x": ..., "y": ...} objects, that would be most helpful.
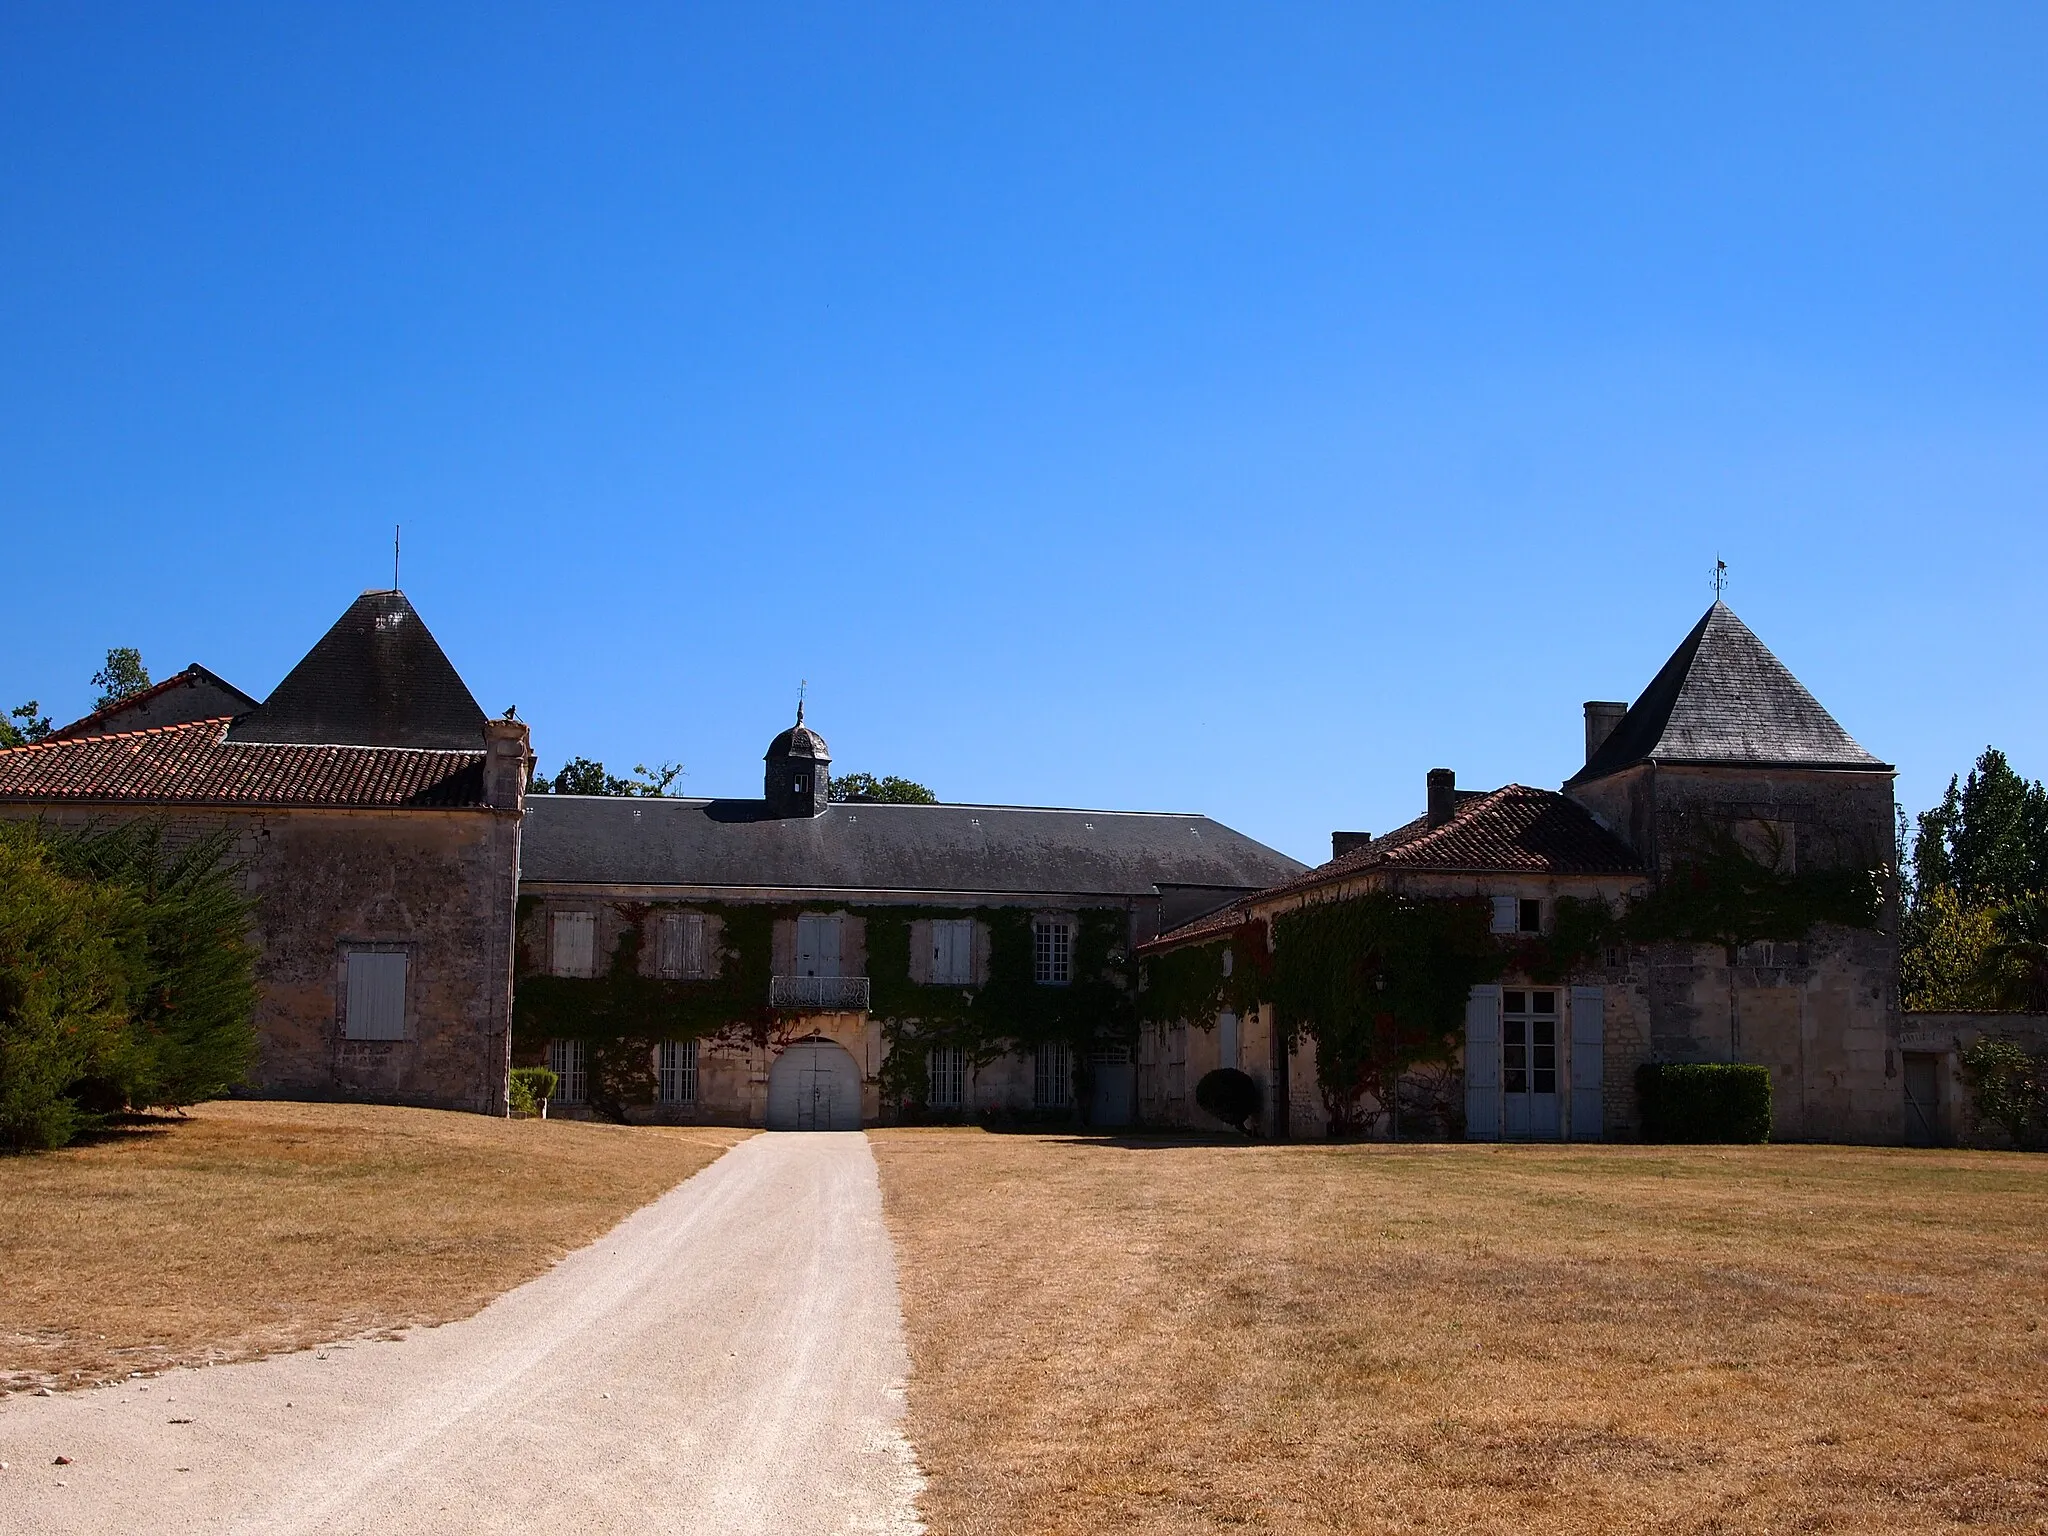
[
  {"x": 865, "y": 788},
  {"x": 2014, "y": 966},
  {"x": 582, "y": 776},
  {"x": 1942, "y": 953},
  {"x": 1988, "y": 839},
  {"x": 23, "y": 725},
  {"x": 122, "y": 677}
]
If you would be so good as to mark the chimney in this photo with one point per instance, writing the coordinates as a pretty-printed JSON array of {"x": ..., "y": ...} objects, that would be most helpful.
[
  {"x": 1342, "y": 843},
  {"x": 508, "y": 763},
  {"x": 1601, "y": 719},
  {"x": 1443, "y": 796}
]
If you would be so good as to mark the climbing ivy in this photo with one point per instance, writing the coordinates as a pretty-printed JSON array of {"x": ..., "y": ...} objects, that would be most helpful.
[
  {"x": 621, "y": 1014},
  {"x": 1202, "y": 980}
]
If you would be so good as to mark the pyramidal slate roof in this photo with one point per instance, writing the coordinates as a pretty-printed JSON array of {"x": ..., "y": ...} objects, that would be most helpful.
[
  {"x": 378, "y": 678},
  {"x": 1724, "y": 698}
]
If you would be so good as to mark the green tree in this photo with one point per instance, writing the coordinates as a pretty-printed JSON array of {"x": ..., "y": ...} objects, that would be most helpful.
[
  {"x": 1943, "y": 953},
  {"x": 865, "y": 788},
  {"x": 66, "y": 986},
  {"x": 23, "y": 724},
  {"x": 122, "y": 677},
  {"x": 2014, "y": 966},
  {"x": 1988, "y": 839},
  {"x": 191, "y": 1032},
  {"x": 582, "y": 776},
  {"x": 2009, "y": 1084}
]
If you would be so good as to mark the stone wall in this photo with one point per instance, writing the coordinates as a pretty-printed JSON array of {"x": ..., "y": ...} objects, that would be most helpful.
[
  {"x": 440, "y": 885},
  {"x": 1938, "y": 1041}
]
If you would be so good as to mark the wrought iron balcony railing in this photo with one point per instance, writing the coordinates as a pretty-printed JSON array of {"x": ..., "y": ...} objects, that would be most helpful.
[{"x": 826, "y": 994}]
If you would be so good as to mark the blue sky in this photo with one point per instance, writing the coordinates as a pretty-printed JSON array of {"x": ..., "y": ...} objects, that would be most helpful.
[{"x": 1157, "y": 407}]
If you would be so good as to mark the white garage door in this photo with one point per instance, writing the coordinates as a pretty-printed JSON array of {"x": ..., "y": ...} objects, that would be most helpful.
[{"x": 814, "y": 1086}]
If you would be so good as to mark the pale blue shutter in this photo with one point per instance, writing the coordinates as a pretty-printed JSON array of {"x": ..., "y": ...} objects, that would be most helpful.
[
  {"x": 1506, "y": 914},
  {"x": 1589, "y": 1062},
  {"x": 376, "y": 996},
  {"x": 1482, "y": 1064}
]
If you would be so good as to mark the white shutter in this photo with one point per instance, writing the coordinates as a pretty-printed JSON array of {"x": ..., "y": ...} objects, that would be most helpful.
[
  {"x": 1589, "y": 1061},
  {"x": 376, "y": 996},
  {"x": 1506, "y": 914},
  {"x": 573, "y": 944},
  {"x": 668, "y": 947},
  {"x": 953, "y": 951},
  {"x": 1482, "y": 1064},
  {"x": 695, "y": 963},
  {"x": 1226, "y": 1040},
  {"x": 817, "y": 945}
]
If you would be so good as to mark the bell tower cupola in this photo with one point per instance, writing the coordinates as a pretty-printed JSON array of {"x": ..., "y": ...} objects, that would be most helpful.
[{"x": 798, "y": 779}]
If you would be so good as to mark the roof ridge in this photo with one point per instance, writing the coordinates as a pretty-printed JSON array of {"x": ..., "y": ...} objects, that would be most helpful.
[{"x": 54, "y": 742}]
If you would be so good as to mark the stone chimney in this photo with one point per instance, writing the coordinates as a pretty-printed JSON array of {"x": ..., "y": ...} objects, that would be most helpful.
[
  {"x": 1342, "y": 843},
  {"x": 1601, "y": 719},
  {"x": 1443, "y": 796},
  {"x": 508, "y": 764}
]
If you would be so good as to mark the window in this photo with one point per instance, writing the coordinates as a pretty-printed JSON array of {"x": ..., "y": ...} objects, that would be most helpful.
[
  {"x": 1226, "y": 1041},
  {"x": 1529, "y": 915},
  {"x": 1528, "y": 1042},
  {"x": 572, "y": 944},
  {"x": 675, "y": 1071},
  {"x": 1053, "y": 1082},
  {"x": 817, "y": 944},
  {"x": 1052, "y": 952},
  {"x": 681, "y": 954},
  {"x": 946, "y": 1068},
  {"x": 952, "y": 952},
  {"x": 376, "y": 996},
  {"x": 565, "y": 1060}
]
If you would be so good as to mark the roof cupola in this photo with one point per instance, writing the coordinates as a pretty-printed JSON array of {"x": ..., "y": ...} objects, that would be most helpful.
[{"x": 797, "y": 780}]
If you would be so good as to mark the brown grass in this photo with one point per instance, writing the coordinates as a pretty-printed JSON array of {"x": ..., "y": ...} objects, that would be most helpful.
[
  {"x": 257, "y": 1227},
  {"x": 1179, "y": 1338}
]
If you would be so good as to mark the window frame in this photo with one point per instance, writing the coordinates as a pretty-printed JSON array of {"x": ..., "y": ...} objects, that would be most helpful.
[
  {"x": 1052, "y": 1075},
  {"x": 1052, "y": 951},
  {"x": 1523, "y": 1059},
  {"x": 945, "y": 1077},
  {"x": 675, "y": 1071},
  {"x": 569, "y": 1060}
]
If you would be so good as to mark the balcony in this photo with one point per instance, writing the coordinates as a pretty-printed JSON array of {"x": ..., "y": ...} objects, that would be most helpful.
[{"x": 819, "y": 994}]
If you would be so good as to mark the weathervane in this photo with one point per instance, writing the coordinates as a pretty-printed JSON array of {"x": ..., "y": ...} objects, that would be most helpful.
[
  {"x": 800, "y": 687},
  {"x": 394, "y": 556},
  {"x": 1720, "y": 577}
]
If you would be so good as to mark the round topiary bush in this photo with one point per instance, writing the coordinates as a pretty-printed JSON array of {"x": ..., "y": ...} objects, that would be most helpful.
[{"x": 1230, "y": 1096}]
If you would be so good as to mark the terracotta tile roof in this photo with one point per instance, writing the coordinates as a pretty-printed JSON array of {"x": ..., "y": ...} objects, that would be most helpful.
[
  {"x": 193, "y": 694},
  {"x": 1210, "y": 925},
  {"x": 194, "y": 764},
  {"x": 1512, "y": 830}
]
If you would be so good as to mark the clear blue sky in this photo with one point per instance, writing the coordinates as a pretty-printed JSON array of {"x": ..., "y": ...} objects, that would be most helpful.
[{"x": 1168, "y": 407}]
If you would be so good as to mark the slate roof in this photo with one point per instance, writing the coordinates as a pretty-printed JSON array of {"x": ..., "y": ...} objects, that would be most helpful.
[
  {"x": 798, "y": 741},
  {"x": 378, "y": 678},
  {"x": 988, "y": 849},
  {"x": 195, "y": 763},
  {"x": 1724, "y": 698},
  {"x": 193, "y": 694},
  {"x": 1513, "y": 830}
]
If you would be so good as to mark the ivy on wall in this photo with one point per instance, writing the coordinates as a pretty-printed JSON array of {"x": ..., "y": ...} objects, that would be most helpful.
[{"x": 622, "y": 1014}]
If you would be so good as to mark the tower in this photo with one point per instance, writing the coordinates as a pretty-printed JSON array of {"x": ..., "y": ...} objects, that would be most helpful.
[{"x": 797, "y": 780}]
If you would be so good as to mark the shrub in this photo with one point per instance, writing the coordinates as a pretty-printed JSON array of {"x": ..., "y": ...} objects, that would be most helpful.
[
  {"x": 2008, "y": 1084},
  {"x": 1230, "y": 1096},
  {"x": 1704, "y": 1101},
  {"x": 531, "y": 1085},
  {"x": 66, "y": 987}
]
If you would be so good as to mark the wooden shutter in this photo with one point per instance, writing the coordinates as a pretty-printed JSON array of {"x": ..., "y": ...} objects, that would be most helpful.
[
  {"x": 574, "y": 944},
  {"x": 1589, "y": 1062},
  {"x": 695, "y": 962},
  {"x": 1506, "y": 914},
  {"x": 1226, "y": 1040},
  {"x": 1482, "y": 1064},
  {"x": 376, "y": 996},
  {"x": 817, "y": 945}
]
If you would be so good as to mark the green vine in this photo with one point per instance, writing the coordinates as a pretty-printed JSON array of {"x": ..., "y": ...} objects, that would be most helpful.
[{"x": 621, "y": 1014}]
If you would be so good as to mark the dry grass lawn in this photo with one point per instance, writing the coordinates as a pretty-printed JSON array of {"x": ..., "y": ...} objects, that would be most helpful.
[
  {"x": 1181, "y": 1338},
  {"x": 256, "y": 1227}
]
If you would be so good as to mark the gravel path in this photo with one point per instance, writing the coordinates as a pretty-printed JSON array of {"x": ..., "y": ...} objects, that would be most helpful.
[{"x": 728, "y": 1359}]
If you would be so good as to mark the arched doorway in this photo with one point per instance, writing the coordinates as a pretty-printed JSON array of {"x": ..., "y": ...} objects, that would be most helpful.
[{"x": 814, "y": 1086}]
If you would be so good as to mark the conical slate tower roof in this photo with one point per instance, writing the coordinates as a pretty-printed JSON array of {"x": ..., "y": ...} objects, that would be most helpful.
[
  {"x": 1724, "y": 698},
  {"x": 377, "y": 679}
]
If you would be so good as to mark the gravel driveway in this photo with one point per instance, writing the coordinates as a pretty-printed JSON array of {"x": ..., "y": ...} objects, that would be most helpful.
[{"x": 729, "y": 1358}]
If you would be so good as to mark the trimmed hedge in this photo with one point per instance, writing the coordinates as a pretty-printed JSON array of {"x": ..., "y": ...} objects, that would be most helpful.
[
  {"x": 1230, "y": 1095},
  {"x": 1704, "y": 1101},
  {"x": 530, "y": 1086}
]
